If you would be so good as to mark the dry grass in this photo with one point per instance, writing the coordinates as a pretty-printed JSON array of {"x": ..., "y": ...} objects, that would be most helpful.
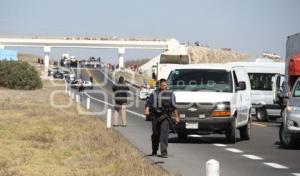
[
  {"x": 28, "y": 57},
  {"x": 32, "y": 60},
  {"x": 39, "y": 140}
]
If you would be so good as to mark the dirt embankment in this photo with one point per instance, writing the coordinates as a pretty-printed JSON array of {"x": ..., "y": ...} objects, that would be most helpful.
[{"x": 200, "y": 54}]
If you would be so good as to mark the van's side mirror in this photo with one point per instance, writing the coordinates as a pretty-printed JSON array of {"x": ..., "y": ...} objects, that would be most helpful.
[{"x": 241, "y": 86}]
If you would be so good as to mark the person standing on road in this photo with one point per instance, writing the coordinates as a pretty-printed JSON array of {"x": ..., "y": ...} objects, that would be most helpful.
[
  {"x": 161, "y": 107},
  {"x": 91, "y": 79},
  {"x": 81, "y": 90},
  {"x": 120, "y": 95}
]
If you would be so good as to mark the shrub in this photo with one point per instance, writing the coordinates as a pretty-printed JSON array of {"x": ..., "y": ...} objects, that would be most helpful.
[{"x": 19, "y": 75}]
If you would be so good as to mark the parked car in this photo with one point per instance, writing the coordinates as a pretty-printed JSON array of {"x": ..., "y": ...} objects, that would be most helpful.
[
  {"x": 260, "y": 75},
  {"x": 58, "y": 74},
  {"x": 212, "y": 98},
  {"x": 289, "y": 133},
  {"x": 76, "y": 83},
  {"x": 51, "y": 71},
  {"x": 145, "y": 92},
  {"x": 69, "y": 76},
  {"x": 287, "y": 87}
]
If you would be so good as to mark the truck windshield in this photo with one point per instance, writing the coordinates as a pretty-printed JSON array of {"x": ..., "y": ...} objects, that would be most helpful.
[
  {"x": 174, "y": 59},
  {"x": 296, "y": 92},
  {"x": 200, "y": 80},
  {"x": 261, "y": 81}
]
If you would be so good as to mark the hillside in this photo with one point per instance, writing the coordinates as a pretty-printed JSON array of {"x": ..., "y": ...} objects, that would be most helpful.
[{"x": 201, "y": 54}]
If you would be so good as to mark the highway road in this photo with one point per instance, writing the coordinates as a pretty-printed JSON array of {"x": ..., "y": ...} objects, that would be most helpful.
[{"x": 261, "y": 156}]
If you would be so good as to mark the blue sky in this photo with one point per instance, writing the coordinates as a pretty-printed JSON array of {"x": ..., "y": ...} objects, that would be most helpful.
[{"x": 250, "y": 26}]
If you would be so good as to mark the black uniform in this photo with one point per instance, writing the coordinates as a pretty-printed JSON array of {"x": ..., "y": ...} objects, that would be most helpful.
[
  {"x": 121, "y": 92},
  {"x": 161, "y": 105},
  {"x": 81, "y": 88}
]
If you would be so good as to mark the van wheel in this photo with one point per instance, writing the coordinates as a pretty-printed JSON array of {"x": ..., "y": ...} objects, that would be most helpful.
[
  {"x": 182, "y": 135},
  {"x": 287, "y": 140},
  {"x": 261, "y": 114},
  {"x": 230, "y": 134},
  {"x": 245, "y": 131}
]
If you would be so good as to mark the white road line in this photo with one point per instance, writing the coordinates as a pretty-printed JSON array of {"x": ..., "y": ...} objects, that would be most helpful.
[
  {"x": 276, "y": 166},
  {"x": 253, "y": 157},
  {"x": 220, "y": 145},
  {"x": 296, "y": 174},
  {"x": 107, "y": 76},
  {"x": 135, "y": 113},
  {"x": 132, "y": 112},
  {"x": 234, "y": 150}
]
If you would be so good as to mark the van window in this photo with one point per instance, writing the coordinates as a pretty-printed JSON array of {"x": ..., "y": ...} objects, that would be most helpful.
[
  {"x": 236, "y": 84},
  {"x": 200, "y": 80},
  {"x": 296, "y": 92},
  {"x": 174, "y": 59},
  {"x": 261, "y": 81}
]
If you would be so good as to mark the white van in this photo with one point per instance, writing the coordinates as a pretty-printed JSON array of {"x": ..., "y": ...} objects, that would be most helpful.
[
  {"x": 212, "y": 98},
  {"x": 260, "y": 75}
]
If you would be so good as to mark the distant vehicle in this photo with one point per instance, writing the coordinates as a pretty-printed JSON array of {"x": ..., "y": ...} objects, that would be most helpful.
[
  {"x": 271, "y": 55},
  {"x": 212, "y": 98},
  {"x": 289, "y": 133},
  {"x": 65, "y": 56},
  {"x": 260, "y": 74},
  {"x": 86, "y": 84},
  {"x": 147, "y": 89},
  {"x": 167, "y": 62},
  {"x": 52, "y": 70},
  {"x": 288, "y": 90},
  {"x": 58, "y": 74},
  {"x": 69, "y": 76},
  {"x": 145, "y": 92}
]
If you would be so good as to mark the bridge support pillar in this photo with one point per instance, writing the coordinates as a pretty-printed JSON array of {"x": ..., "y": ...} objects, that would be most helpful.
[
  {"x": 121, "y": 52},
  {"x": 47, "y": 51}
]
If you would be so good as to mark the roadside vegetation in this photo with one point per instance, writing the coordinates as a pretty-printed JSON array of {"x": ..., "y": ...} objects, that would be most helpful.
[
  {"x": 19, "y": 75},
  {"x": 37, "y": 139}
]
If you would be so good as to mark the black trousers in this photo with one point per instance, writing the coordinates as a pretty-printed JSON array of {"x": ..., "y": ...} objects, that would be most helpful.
[{"x": 160, "y": 135}]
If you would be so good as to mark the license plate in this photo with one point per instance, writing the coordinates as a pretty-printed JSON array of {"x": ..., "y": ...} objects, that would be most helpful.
[
  {"x": 201, "y": 116},
  {"x": 191, "y": 125}
]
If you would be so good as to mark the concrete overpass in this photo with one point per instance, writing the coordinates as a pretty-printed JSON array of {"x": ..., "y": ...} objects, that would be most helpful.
[{"x": 121, "y": 44}]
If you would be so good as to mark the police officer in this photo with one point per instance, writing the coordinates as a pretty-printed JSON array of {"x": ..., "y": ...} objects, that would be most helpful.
[{"x": 161, "y": 107}]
